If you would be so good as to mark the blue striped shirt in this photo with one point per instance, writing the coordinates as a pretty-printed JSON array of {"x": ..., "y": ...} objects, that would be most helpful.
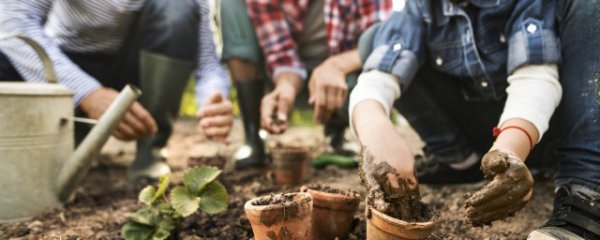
[{"x": 74, "y": 27}]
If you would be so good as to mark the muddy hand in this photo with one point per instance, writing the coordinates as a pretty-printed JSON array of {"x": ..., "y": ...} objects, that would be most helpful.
[
  {"x": 389, "y": 192},
  {"x": 507, "y": 193}
]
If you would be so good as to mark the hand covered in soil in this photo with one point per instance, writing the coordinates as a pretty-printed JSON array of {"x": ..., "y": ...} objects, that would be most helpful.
[
  {"x": 277, "y": 105},
  {"x": 394, "y": 194},
  {"x": 136, "y": 123},
  {"x": 508, "y": 192},
  {"x": 216, "y": 117},
  {"x": 328, "y": 91}
]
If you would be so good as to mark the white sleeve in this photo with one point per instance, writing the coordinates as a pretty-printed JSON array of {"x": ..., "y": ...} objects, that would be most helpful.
[
  {"x": 375, "y": 85},
  {"x": 534, "y": 92},
  {"x": 26, "y": 17}
]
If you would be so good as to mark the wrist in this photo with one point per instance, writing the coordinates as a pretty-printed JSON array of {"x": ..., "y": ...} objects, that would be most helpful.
[
  {"x": 346, "y": 62},
  {"x": 289, "y": 82}
]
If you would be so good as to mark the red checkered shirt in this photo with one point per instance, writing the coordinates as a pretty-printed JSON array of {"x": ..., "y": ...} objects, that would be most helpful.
[{"x": 279, "y": 23}]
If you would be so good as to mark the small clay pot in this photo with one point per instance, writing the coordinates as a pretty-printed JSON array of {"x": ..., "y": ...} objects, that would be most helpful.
[
  {"x": 383, "y": 227},
  {"x": 280, "y": 220},
  {"x": 332, "y": 214},
  {"x": 289, "y": 165}
]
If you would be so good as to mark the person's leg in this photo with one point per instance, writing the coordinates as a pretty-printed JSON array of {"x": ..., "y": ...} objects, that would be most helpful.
[
  {"x": 577, "y": 202},
  {"x": 160, "y": 56},
  {"x": 456, "y": 132},
  {"x": 242, "y": 53}
]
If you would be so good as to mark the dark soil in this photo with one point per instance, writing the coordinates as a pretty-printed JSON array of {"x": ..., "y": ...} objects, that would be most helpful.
[
  {"x": 332, "y": 190},
  {"x": 105, "y": 198},
  {"x": 273, "y": 199}
]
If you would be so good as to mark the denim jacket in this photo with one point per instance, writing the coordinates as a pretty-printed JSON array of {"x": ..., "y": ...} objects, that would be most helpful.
[{"x": 480, "y": 42}]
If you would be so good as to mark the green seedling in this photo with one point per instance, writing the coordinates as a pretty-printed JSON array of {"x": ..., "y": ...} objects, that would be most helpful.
[{"x": 162, "y": 213}]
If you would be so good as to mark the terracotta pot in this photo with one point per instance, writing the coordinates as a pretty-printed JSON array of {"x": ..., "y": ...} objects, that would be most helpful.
[
  {"x": 288, "y": 220},
  {"x": 383, "y": 227},
  {"x": 332, "y": 214},
  {"x": 289, "y": 165}
]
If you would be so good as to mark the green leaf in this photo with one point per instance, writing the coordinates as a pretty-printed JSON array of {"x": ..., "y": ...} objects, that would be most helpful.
[
  {"x": 136, "y": 231},
  {"x": 147, "y": 195},
  {"x": 184, "y": 202},
  {"x": 165, "y": 228},
  {"x": 197, "y": 178},
  {"x": 214, "y": 198},
  {"x": 145, "y": 216},
  {"x": 163, "y": 184}
]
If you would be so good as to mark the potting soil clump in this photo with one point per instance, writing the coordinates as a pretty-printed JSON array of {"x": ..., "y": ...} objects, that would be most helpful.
[
  {"x": 396, "y": 200},
  {"x": 273, "y": 199}
]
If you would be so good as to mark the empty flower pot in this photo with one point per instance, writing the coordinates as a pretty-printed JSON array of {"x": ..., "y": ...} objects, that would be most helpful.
[
  {"x": 333, "y": 212},
  {"x": 383, "y": 227},
  {"x": 284, "y": 216},
  {"x": 289, "y": 164}
]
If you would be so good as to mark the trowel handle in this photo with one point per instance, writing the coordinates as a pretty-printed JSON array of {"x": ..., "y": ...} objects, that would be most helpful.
[
  {"x": 77, "y": 166},
  {"x": 39, "y": 50}
]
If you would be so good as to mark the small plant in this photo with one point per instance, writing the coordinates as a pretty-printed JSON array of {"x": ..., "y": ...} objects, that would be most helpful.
[{"x": 162, "y": 215}]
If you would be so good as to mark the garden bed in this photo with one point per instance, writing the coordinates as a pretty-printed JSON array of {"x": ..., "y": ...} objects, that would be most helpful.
[{"x": 105, "y": 198}]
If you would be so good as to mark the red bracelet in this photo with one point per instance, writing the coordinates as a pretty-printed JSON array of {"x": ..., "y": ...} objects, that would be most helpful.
[{"x": 496, "y": 132}]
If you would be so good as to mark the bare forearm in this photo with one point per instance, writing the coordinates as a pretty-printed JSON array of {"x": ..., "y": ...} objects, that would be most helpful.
[{"x": 515, "y": 141}]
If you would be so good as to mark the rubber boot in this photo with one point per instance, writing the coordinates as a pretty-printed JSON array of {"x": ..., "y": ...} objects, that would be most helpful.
[
  {"x": 162, "y": 80},
  {"x": 252, "y": 153}
]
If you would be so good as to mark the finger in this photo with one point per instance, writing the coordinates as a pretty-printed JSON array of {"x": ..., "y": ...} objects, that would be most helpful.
[
  {"x": 488, "y": 192},
  {"x": 506, "y": 201},
  {"x": 330, "y": 96},
  {"x": 222, "y": 120},
  {"x": 217, "y": 132},
  {"x": 283, "y": 107},
  {"x": 139, "y": 128},
  {"x": 144, "y": 116},
  {"x": 498, "y": 214},
  {"x": 489, "y": 217},
  {"x": 216, "y": 109},
  {"x": 126, "y": 132},
  {"x": 117, "y": 134},
  {"x": 266, "y": 112}
]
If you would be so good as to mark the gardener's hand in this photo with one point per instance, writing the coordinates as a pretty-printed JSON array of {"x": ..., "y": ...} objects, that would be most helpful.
[
  {"x": 277, "y": 105},
  {"x": 137, "y": 122},
  {"x": 387, "y": 164},
  {"x": 328, "y": 90},
  {"x": 216, "y": 118},
  {"x": 508, "y": 192}
]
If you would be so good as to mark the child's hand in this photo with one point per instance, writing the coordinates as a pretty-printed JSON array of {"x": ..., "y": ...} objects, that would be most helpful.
[{"x": 508, "y": 192}]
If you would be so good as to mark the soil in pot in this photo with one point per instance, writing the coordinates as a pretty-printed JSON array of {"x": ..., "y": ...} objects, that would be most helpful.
[
  {"x": 394, "y": 209},
  {"x": 281, "y": 216},
  {"x": 289, "y": 164},
  {"x": 333, "y": 211}
]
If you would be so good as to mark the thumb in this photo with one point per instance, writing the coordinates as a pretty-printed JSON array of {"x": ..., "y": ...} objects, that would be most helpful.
[
  {"x": 215, "y": 97},
  {"x": 495, "y": 162}
]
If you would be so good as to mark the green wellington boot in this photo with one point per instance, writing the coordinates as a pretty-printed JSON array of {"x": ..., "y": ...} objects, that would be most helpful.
[
  {"x": 252, "y": 153},
  {"x": 162, "y": 80}
]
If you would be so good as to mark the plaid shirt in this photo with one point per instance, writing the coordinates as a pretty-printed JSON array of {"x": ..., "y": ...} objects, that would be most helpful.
[{"x": 279, "y": 23}]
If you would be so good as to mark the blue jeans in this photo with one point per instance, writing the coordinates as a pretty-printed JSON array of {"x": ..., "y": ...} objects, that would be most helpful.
[
  {"x": 454, "y": 127},
  {"x": 167, "y": 28}
]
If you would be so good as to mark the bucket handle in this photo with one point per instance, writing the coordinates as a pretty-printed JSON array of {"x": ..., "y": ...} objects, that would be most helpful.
[{"x": 39, "y": 50}]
